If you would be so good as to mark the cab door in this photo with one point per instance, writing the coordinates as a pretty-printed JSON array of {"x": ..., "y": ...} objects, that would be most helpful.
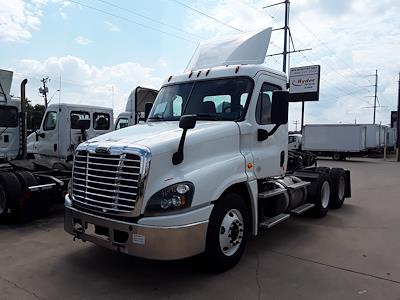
[
  {"x": 47, "y": 137},
  {"x": 269, "y": 154}
]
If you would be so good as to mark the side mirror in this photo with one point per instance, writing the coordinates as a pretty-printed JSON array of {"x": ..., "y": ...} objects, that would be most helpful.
[
  {"x": 147, "y": 108},
  {"x": 187, "y": 122},
  {"x": 83, "y": 124},
  {"x": 280, "y": 107},
  {"x": 279, "y": 114}
]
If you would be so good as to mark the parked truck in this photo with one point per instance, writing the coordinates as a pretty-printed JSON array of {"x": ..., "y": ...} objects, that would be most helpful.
[
  {"x": 207, "y": 169},
  {"x": 29, "y": 186},
  {"x": 338, "y": 141},
  {"x": 135, "y": 109},
  {"x": 60, "y": 132}
]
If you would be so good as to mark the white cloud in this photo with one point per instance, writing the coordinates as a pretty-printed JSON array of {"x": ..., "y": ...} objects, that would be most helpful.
[
  {"x": 81, "y": 40},
  {"x": 85, "y": 83},
  {"x": 349, "y": 39},
  {"x": 18, "y": 20},
  {"x": 111, "y": 27}
]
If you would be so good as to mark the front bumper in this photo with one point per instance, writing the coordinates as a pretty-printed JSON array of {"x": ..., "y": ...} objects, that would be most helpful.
[{"x": 153, "y": 242}]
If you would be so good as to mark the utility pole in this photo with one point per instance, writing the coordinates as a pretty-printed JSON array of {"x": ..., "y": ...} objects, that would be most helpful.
[
  {"x": 376, "y": 93},
  {"x": 285, "y": 34},
  {"x": 286, "y": 46},
  {"x": 44, "y": 90},
  {"x": 296, "y": 123},
  {"x": 398, "y": 124}
]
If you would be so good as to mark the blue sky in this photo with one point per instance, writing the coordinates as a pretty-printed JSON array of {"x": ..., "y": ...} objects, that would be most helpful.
[{"x": 103, "y": 51}]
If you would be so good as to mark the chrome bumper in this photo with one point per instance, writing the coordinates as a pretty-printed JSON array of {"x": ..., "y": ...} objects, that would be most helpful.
[{"x": 153, "y": 242}]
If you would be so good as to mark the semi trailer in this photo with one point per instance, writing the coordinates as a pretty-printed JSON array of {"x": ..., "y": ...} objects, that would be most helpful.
[
  {"x": 34, "y": 170},
  {"x": 206, "y": 171},
  {"x": 338, "y": 141}
]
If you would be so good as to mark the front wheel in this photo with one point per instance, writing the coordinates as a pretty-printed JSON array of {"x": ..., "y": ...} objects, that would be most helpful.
[{"x": 227, "y": 233}]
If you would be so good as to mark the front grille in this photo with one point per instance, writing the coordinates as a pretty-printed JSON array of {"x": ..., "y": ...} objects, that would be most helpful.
[{"x": 106, "y": 183}]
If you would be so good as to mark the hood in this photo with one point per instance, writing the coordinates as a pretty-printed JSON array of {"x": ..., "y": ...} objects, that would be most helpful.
[{"x": 162, "y": 137}]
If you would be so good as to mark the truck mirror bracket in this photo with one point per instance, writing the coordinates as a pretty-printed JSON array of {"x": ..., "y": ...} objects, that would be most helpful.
[{"x": 263, "y": 134}]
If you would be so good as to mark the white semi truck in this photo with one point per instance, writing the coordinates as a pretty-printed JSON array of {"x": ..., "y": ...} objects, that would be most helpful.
[
  {"x": 29, "y": 186},
  {"x": 135, "y": 109},
  {"x": 208, "y": 168}
]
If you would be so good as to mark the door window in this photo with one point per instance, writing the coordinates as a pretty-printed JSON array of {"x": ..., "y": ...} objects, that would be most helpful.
[
  {"x": 122, "y": 123},
  {"x": 50, "y": 121},
  {"x": 101, "y": 121},
  {"x": 78, "y": 115},
  {"x": 263, "y": 108}
]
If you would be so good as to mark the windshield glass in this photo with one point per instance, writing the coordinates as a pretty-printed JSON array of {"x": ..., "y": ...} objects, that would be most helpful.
[
  {"x": 8, "y": 116},
  {"x": 218, "y": 99}
]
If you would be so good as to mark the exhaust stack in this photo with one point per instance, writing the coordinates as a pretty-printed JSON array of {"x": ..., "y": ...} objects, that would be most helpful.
[{"x": 23, "y": 120}]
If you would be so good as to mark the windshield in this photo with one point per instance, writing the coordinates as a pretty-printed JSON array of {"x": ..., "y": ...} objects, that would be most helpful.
[
  {"x": 218, "y": 99},
  {"x": 8, "y": 116}
]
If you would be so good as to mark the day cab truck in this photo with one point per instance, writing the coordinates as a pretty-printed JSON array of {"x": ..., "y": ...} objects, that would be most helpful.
[
  {"x": 208, "y": 168},
  {"x": 135, "y": 109},
  {"x": 34, "y": 170}
]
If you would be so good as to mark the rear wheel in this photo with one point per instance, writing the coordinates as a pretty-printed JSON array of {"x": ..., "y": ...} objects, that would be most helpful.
[
  {"x": 26, "y": 180},
  {"x": 10, "y": 193},
  {"x": 337, "y": 156},
  {"x": 320, "y": 195},
  {"x": 338, "y": 177},
  {"x": 227, "y": 232}
]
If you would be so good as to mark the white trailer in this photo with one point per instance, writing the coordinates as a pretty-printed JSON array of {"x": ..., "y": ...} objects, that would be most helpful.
[
  {"x": 208, "y": 168},
  {"x": 336, "y": 140},
  {"x": 135, "y": 110}
]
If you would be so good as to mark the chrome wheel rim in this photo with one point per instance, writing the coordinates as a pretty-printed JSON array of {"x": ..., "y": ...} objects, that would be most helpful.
[
  {"x": 325, "y": 194},
  {"x": 231, "y": 232},
  {"x": 336, "y": 156},
  {"x": 3, "y": 201},
  {"x": 341, "y": 187}
]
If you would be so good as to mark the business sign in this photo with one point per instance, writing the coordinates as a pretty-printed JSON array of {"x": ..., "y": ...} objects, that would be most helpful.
[
  {"x": 304, "y": 83},
  {"x": 393, "y": 119},
  {"x": 5, "y": 84}
]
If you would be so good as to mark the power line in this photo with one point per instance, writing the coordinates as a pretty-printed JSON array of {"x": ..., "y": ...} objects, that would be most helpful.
[
  {"x": 206, "y": 15},
  {"x": 147, "y": 17},
  {"x": 131, "y": 21}
]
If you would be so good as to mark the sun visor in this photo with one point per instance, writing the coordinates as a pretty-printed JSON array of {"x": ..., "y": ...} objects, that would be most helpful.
[
  {"x": 246, "y": 48},
  {"x": 5, "y": 82}
]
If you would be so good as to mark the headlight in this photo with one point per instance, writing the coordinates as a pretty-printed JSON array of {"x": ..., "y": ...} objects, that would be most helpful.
[{"x": 172, "y": 198}]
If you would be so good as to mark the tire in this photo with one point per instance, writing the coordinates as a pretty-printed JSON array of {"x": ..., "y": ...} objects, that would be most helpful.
[
  {"x": 320, "y": 194},
  {"x": 336, "y": 156},
  {"x": 10, "y": 193},
  {"x": 229, "y": 218},
  {"x": 28, "y": 207},
  {"x": 338, "y": 178}
]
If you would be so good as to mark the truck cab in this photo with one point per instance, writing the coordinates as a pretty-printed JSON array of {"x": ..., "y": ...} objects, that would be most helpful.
[
  {"x": 294, "y": 141},
  {"x": 207, "y": 169},
  {"x": 9, "y": 129},
  {"x": 59, "y": 133},
  {"x": 135, "y": 109}
]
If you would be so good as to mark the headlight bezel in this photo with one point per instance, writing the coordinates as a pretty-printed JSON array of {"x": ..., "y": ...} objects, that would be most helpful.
[{"x": 162, "y": 202}]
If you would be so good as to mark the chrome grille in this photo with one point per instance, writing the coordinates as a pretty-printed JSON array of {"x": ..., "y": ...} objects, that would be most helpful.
[{"x": 107, "y": 183}]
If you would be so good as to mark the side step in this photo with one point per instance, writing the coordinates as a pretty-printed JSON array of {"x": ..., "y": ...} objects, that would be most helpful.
[
  {"x": 268, "y": 223},
  {"x": 303, "y": 208},
  {"x": 272, "y": 193}
]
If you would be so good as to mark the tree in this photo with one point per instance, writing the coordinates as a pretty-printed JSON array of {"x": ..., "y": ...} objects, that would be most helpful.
[{"x": 34, "y": 116}]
